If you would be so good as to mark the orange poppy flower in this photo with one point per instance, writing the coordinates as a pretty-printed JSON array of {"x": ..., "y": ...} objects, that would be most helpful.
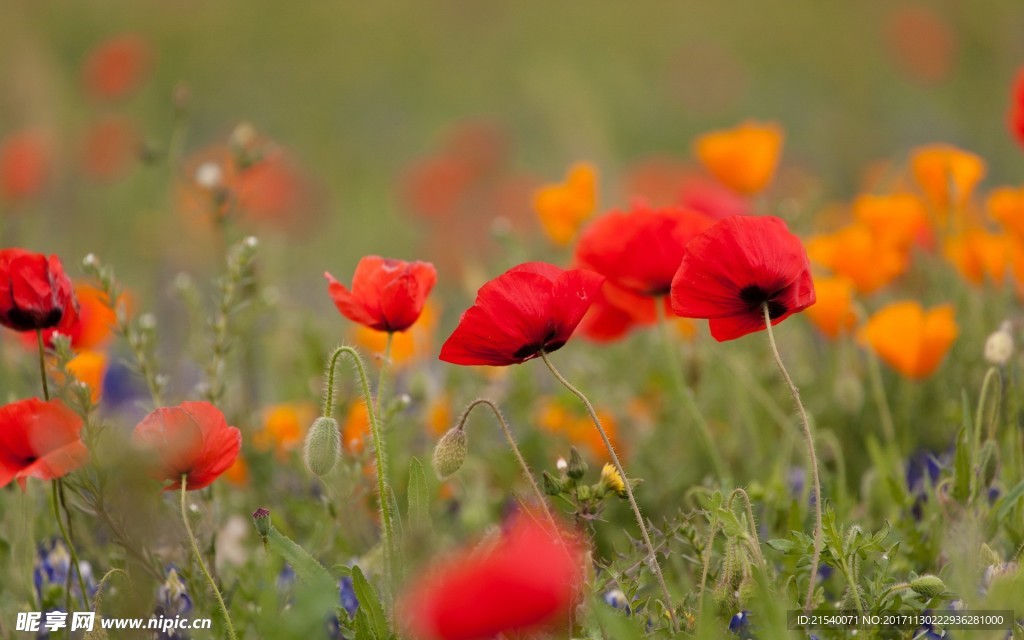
[
  {"x": 854, "y": 252},
  {"x": 117, "y": 67},
  {"x": 284, "y": 426},
  {"x": 979, "y": 255},
  {"x": 439, "y": 414},
  {"x": 900, "y": 218},
  {"x": 947, "y": 175},
  {"x": 578, "y": 429},
  {"x": 356, "y": 429},
  {"x": 909, "y": 339},
  {"x": 743, "y": 158},
  {"x": 24, "y": 165},
  {"x": 238, "y": 473},
  {"x": 1006, "y": 206},
  {"x": 563, "y": 207},
  {"x": 832, "y": 313},
  {"x": 90, "y": 367}
]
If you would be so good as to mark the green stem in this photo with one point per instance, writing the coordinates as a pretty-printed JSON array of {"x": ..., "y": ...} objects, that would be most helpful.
[
  {"x": 651, "y": 554},
  {"x": 515, "y": 450},
  {"x": 990, "y": 375},
  {"x": 383, "y": 488},
  {"x": 42, "y": 364},
  {"x": 811, "y": 456},
  {"x": 382, "y": 376},
  {"x": 885, "y": 414},
  {"x": 708, "y": 549},
  {"x": 686, "y": 394},
  {"x": 751, "y": 525},
  {"x": 202, "y": 564}
]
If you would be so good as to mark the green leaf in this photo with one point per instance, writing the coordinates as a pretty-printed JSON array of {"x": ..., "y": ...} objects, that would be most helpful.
[
  {"x": 419, "y": 498},
  {"x": 782, "y": 545},
  {"x": 962, "y": 462},
  {"x": 306, "y": 567},
  {"x": 370, "y": 603},
  {"x": 1009, "y": 501},
  {"x": 363, "y": 629}
]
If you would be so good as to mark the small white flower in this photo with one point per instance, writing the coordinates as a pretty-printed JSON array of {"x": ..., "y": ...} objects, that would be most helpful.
[
  {"x": 209, "y": 175},
  {"x": 561, "y": 464},
  {"x": 999, "y": 346}
]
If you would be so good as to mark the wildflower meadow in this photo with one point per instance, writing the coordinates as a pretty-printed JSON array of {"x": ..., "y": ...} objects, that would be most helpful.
[{"x": 455, "y": 321}]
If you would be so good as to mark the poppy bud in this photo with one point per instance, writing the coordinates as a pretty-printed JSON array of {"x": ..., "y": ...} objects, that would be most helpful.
[
  {"x": 261, "y": 518},
  {"x": 928, "y": 585},
  {"x": 450, "y": 452},
  {"x": 999, "y": 347},
  {"x": 323, "y": 445},
  {"x": 577, "y": 467}
]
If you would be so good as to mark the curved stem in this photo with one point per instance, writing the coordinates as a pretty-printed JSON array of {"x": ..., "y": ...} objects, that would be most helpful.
[
  {"x": 652, "y": 555},
  {"x": 383, "y": 488},
  {"x": 812, "y": 458},
  {"x": 515, "y": 449},
  {"x": 202, "y": 564},
  {"x": 756, "y": 542},
  {"x": 990, "y": 375},
  {"x": 74, "y": 568},
  {"x": 686, "y": 394},
  {"x": 42, "y": 364}
]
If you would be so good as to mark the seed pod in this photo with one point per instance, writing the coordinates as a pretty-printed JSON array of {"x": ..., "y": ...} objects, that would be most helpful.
[
  {"x": 323, "y": 446},
  {"x": 450, "y": 452}
]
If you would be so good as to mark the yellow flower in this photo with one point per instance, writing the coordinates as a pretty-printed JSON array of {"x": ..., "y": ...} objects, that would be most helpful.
[
  {"x": 284, "y": 426},
  {"x": 563, "y": 207},
  {"x": 854, "y": 252},
  {"x": 90, "y": 367},
  {"x": 947, "y": 175},
  {"x": 978, "y": 254},
  {"x": 1006, "y": 206},
  {"x": 909, "y": 339},
  {"x": 900, "y": 218},
  {"x": 832, "y": 312},
  {"x": 610, "y": 478},
  {"x": 743, "y": 158}
]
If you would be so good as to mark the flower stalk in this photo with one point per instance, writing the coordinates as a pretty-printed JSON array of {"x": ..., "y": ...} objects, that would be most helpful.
[{"x": 202, "y": 564}]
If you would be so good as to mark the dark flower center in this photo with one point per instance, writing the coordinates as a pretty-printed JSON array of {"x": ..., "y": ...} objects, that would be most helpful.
[
  {"x": 754, "y": 297},
  {"x": 533, "y": 349},
  {"x": 31, "y": 460}
]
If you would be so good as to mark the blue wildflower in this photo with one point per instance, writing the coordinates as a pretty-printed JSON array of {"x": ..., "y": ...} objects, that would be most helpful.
[
  {"x": 172, "y": 600},
  {"x": 615, "y": 598},
  {"x": 739, "y": 624}
]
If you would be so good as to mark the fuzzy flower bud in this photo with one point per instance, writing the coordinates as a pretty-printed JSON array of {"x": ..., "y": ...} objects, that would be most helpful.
[
  {"x": 928, "y": 585},
  {"x": 323, "y": 446},
  {"x": 577, "y": 467},
  {"x": 450, "y": 452},
  {"x": 999, "y": 346},
  {"x": 261, "y": 518},
  {"x": 552, "y": 485}
]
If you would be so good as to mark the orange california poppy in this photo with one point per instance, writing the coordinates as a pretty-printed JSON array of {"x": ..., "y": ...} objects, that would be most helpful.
[
  {"x": 356, "y": 428},
  {"x": 90, "y": 367},
  {"x": 439, "y": 414},
  {"x": 1006, "y": 206},
  {"x": 947, "y": 176},
  {"x": 832, "y": 313},
  {"x": 909, "y": 339},
  {"x": 284, "y": 426},
  {"x": 855, "y": 252},
  {"x": 743, "y": 158},
  {"x": 563, "y": 207},
  {"x": 979, "y": 255},
  {"x": 578, "y": 429},
  {"x": 899, "y": 218}
]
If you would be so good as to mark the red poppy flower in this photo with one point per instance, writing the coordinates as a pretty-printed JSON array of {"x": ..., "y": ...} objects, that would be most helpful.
[
  {"x": 386, "y": 295},
  {"x": 109, "y": 147},
  {"x": 530, "y": 308},
  {"x": 117, "y": 67},
  {"x": 39, "y": 440},
  {"x": 528, "y": 579},
  {"x": 734, "y": 268},
  {"x": 24, "y": 165},
  {"x": 192, "y": 439},
  {"x": 640, "y": 250},
  {"x": 34, "y": 292},
  {"x": 1017, "y": 109}
]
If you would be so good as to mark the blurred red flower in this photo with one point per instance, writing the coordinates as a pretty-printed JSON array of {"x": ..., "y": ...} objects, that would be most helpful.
[
  {"x": 640, "y": 250},
  {"x": 117, "y": 67},
  {"x": 34, "y": 292},
  {"x": 39, "y": 440},
  {"x": 921, "y": 42},
  {"x": 1017, "y": 109},
  {"x": 192, "y": 439},
  {"x": 737, "y": 266},
  {"x": 529, "y": 578},
  {"x": 530, "y": 308},
  {"x": 614, "y": 313},
  {"x": 24, "y": 165},
  {"x": 387, "y": 294},
  {"x": 109, "y": 147}
]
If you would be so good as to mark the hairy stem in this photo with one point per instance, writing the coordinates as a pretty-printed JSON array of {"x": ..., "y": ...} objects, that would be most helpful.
[{"x": 202, "y": 564}]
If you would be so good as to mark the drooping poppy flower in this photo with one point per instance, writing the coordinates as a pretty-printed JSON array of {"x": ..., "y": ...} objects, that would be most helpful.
[
  {"x": 909, "y": 339},
  {"x": 870, "y": 262},
  {"x": 39, "y": 440},
  {"x": 192, "y": 439},
  {"x": 530, "y": 308},
  {"x": 733, "y": 269},
  {"x": 900, "y": 219},
  {"x": 386, "y": 295},
  {"x": 640, "y": 250},
  {"x": 920, "y": 42},
  {"x": 563, "y": 207},
  {"x": 1017, "y": 109},
  {"x": 529, "y": 578},
  {"x": 947, "y": 176},
  {"x": 979, "y": 255},
  {"x": 117, "y": 67},
  {"x": 832, "y": 313},
  {"x": 1006, "y": 206},
  {"x": 743, "y": 158},
  {"x": 34, "y": 292},
  {"x": 24, "y": 165}
]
